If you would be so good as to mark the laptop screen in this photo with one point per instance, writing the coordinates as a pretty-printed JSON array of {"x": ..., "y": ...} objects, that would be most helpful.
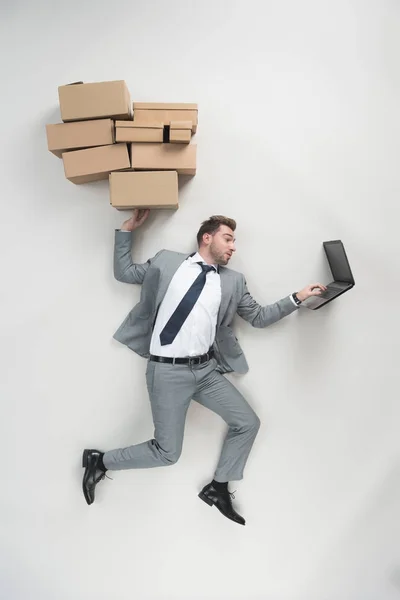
[{"x": 338, "y": 262}]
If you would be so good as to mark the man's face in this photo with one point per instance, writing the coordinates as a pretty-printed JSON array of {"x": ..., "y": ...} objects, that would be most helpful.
[{"x": 221, "y": 245}]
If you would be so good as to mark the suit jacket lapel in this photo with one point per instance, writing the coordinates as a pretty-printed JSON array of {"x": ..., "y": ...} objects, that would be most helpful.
[
  {"x": 168, "y": 271},
  {"x": 226, "y": 294}
]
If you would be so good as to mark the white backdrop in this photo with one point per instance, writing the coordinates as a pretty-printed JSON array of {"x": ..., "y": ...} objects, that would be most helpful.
[{"x": 298, "y": 140}]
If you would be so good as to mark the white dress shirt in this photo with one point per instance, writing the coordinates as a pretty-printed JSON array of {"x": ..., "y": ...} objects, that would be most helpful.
[{"x": 197, "y": 333}]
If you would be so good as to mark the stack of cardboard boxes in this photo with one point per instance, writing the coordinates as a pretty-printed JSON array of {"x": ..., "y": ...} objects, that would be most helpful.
[{"x": 140, "y": 148}]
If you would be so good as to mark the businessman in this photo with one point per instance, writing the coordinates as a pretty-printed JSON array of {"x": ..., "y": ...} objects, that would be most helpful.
[{"x": 182, "y": 326}]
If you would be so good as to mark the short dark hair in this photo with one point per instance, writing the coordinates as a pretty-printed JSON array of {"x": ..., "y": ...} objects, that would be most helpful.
[{"x": 212, "y": 225}]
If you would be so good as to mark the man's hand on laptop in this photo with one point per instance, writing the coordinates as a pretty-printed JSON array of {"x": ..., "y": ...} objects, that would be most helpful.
[{"x": 314, "y": 289}]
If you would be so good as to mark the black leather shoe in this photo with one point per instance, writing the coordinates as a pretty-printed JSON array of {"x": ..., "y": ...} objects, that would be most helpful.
[
  {"x": 222, "y": 500},
  {"x": 93, "y": 473}
]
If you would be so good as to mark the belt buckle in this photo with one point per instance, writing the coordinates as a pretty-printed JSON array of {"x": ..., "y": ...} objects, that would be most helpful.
[{"x": 197, "y": 360}]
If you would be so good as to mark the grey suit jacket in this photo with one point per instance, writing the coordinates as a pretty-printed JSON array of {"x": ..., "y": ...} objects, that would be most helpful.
[{"x": 155, "y": 276}]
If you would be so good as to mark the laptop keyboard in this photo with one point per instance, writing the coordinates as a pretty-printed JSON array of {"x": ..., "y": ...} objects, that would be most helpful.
[{"x": 329, "y": 293}]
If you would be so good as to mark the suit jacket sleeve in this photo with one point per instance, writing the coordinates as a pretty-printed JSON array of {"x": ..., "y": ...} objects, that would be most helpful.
[
  {"x": 124, "y": 268},
  {"x": 262, "y": 316}
]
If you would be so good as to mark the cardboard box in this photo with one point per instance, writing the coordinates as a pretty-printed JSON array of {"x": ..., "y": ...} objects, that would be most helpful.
[
  {"x": 181, "y": 125},
  {"x": 164, "y": 157},
  {"x": 147, "y": 112},
  {"x": 180, "y": 136},
  {"x": 108, "y": 99},
  {"x": 92, "y": 164},
  {"x": 83, "y": 134},
  {"x": 144, "y": 189},
  {"x": 180, "y": 132},
  {"x": 130, "y": 131}
]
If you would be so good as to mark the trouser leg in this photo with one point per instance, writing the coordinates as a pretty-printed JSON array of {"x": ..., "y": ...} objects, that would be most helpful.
[
  {"x": 170, "y": 389},
  {"x": 215, "y": 392}
]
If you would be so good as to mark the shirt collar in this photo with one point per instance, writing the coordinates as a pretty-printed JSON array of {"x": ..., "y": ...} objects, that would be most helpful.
[{"x": 196, "y": 258}]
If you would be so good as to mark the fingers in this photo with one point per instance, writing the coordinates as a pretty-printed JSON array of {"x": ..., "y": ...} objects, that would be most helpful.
[
  {"x": 137, "y": 212},
  {"x": 318, "y": 285},
  {"x": 139, "y": 216},
  {"x": 143, "y": 214},
  {"x": 317, "y": 288}
]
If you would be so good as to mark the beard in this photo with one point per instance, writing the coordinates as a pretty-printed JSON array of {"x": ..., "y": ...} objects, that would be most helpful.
[{"x": 218, "y": 256}]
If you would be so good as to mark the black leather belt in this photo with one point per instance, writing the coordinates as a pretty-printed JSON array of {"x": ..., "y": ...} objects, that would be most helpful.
[{"x": 190, "y": 360}]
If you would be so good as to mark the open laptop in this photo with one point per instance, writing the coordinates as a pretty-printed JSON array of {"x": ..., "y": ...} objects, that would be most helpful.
[{"x": 342, "y": 276}]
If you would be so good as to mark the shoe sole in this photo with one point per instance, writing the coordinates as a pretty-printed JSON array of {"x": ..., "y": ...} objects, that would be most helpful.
[
  {"x": 84, "y": 465},
  {"x": 85, "y": 458}
]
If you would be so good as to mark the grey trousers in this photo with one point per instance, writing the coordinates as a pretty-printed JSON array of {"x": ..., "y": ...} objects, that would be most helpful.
[{"x": 171, "y": 389}]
